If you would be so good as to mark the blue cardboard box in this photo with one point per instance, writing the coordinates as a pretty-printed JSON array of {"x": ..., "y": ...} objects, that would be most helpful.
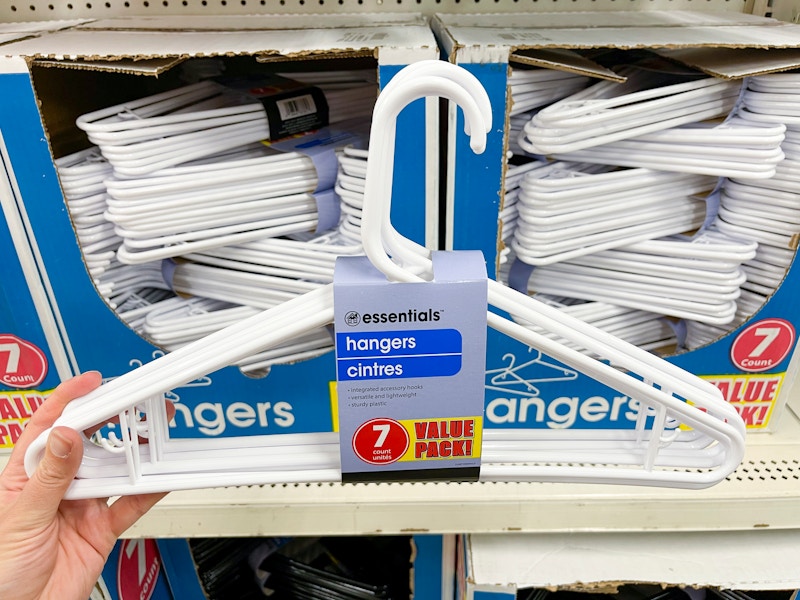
[
  {"x": 525, "y": 388},
  {"x": 292, "y": 398}
]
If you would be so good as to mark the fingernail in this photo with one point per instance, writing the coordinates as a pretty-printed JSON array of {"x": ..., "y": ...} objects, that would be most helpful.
[{"x": 59, "y": 444}]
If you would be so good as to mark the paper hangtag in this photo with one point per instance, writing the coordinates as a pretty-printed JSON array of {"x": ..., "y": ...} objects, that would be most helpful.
[{"x": 410, "y": 363}]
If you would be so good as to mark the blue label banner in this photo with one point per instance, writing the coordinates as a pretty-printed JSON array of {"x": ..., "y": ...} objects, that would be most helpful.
[
  {"x": 367, "y": 344},
  {"x": 431, "y": 365}
]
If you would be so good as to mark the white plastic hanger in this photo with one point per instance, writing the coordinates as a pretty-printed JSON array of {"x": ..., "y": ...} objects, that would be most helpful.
[
  {"x": 568, "y": 210},
  {"x": 644, "y": 329},
  {"x": 245, "y": 194},
  {"x": 81, "y": 175},
  {"x": 178, "y": 321},
  {"x": 533, "y": 88},
  {"x": 697, "y": 278},
  {"x": 645, "y": 456},
  {"x": 734, "y": 148},
  {"x": 609, "y": 112},
  {"x": 195, "y": 121}
]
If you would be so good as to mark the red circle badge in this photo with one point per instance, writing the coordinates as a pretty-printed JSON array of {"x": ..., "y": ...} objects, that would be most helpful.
[
  {"x": 762, "y": 345},
  {"x": 22, "y": 365},
  {"x": 138, "y": 567},
  {"x": 380, "y": 441}
]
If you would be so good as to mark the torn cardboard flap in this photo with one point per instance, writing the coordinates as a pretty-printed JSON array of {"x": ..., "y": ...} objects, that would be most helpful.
[
  {"x": 152, "y": 66},
  {"x": 493, "y": 38},
  {"x": 564, "y": 60},
  {"x": 735, "y": 63},
  {"x": 399, "y": 45},
  {"x": 338, "y": 55}
]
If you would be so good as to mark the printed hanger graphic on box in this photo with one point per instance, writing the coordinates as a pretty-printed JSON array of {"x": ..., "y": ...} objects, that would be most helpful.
[{"x": 687, "y": 436}]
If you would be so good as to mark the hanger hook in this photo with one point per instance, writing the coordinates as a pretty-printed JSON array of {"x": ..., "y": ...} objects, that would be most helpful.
[{"x": 439, "y": 79}]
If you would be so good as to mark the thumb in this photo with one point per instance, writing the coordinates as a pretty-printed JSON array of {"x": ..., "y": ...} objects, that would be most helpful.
[{"x": 42, "y": 494}]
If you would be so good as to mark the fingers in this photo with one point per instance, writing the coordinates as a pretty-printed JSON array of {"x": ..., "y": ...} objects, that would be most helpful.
[
  {"x": 44, "y": 491},
  {"x": 68, "y": 390},
  {"x": 128, "y": 509},
  {"x": 47, "y": 413}
]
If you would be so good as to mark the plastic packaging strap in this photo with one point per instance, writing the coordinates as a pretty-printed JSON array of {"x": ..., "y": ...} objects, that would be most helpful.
[
  {"x": 321, "y": 147},
  {"x": 713, "y": 198},
  {"x": 168, "y": 267}
]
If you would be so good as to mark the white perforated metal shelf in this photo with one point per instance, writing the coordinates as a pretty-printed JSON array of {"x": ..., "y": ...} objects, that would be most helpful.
[
  {"x": 763, "y": 493},
  {"x": 755, "y": 511},
  {"x": 37, "y": 10}
]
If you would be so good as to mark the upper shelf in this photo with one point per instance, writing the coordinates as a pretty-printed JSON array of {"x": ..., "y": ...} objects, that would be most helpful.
[{"x": 38, "y": 10}]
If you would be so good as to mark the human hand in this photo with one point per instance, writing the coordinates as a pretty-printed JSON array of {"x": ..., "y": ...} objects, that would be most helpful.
[{"x": 51, "y": 548}]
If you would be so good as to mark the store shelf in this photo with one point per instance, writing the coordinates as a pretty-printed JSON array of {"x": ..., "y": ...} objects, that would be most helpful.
[
  {"x": 38, "y": 10},
  {"x": 764, "y": 493}
]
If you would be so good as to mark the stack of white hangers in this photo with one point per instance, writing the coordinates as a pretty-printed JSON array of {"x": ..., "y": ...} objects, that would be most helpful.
[
  {"x": 209, "y": 187},
  {"x": 564, "y": 210},
  {"x": 734, "y": 148},
  {"x": 130, "y": 290},
  {"x": 508, "y": 218},
  {"x": 190, "y": 171},
  {"x": 698, "y": 279},
  {"x": 232, "y": 282},
  {"x": 607, "y": 111},
  {"x": 82, "y": 175},
  {"x": 197, "y": 196},
  {"x": 657, "y": 121},
  {"x": 660, "y": 451},
  {"x": 567, "y": 210},
  {"x": 765, "y": 211},
  {"x": 642, "y": 328},
  {"x": 139, "y": 293},
  {"x": 529, "y": 89},
  {"x": 195, "y": 121},
  {"x": 249, "y": 193},
  {"x": 350, "y": 190},
  {"x": 532, "y": 88}
]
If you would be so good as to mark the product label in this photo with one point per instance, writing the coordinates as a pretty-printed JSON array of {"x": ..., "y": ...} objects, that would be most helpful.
[
  {"x": 753, "y": 396},
  {"x": 22, "y": 364},
  {"x": 763, "y": 345},
  {"x": 138, "y": 569},
  {"x": 16, "y": 408},
  {"x": 410, "y": 360},
  {"x": 291, "y": 107}
]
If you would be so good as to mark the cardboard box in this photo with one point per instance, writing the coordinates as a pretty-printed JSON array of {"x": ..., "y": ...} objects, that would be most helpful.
[
  {"x": 525, "y": 388},
  {"x": 499, "y": 566},
  {"x": 32, "y": 357},
  {"x": 53, "y": 77},
  {"x": 32, "y": 361}
]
